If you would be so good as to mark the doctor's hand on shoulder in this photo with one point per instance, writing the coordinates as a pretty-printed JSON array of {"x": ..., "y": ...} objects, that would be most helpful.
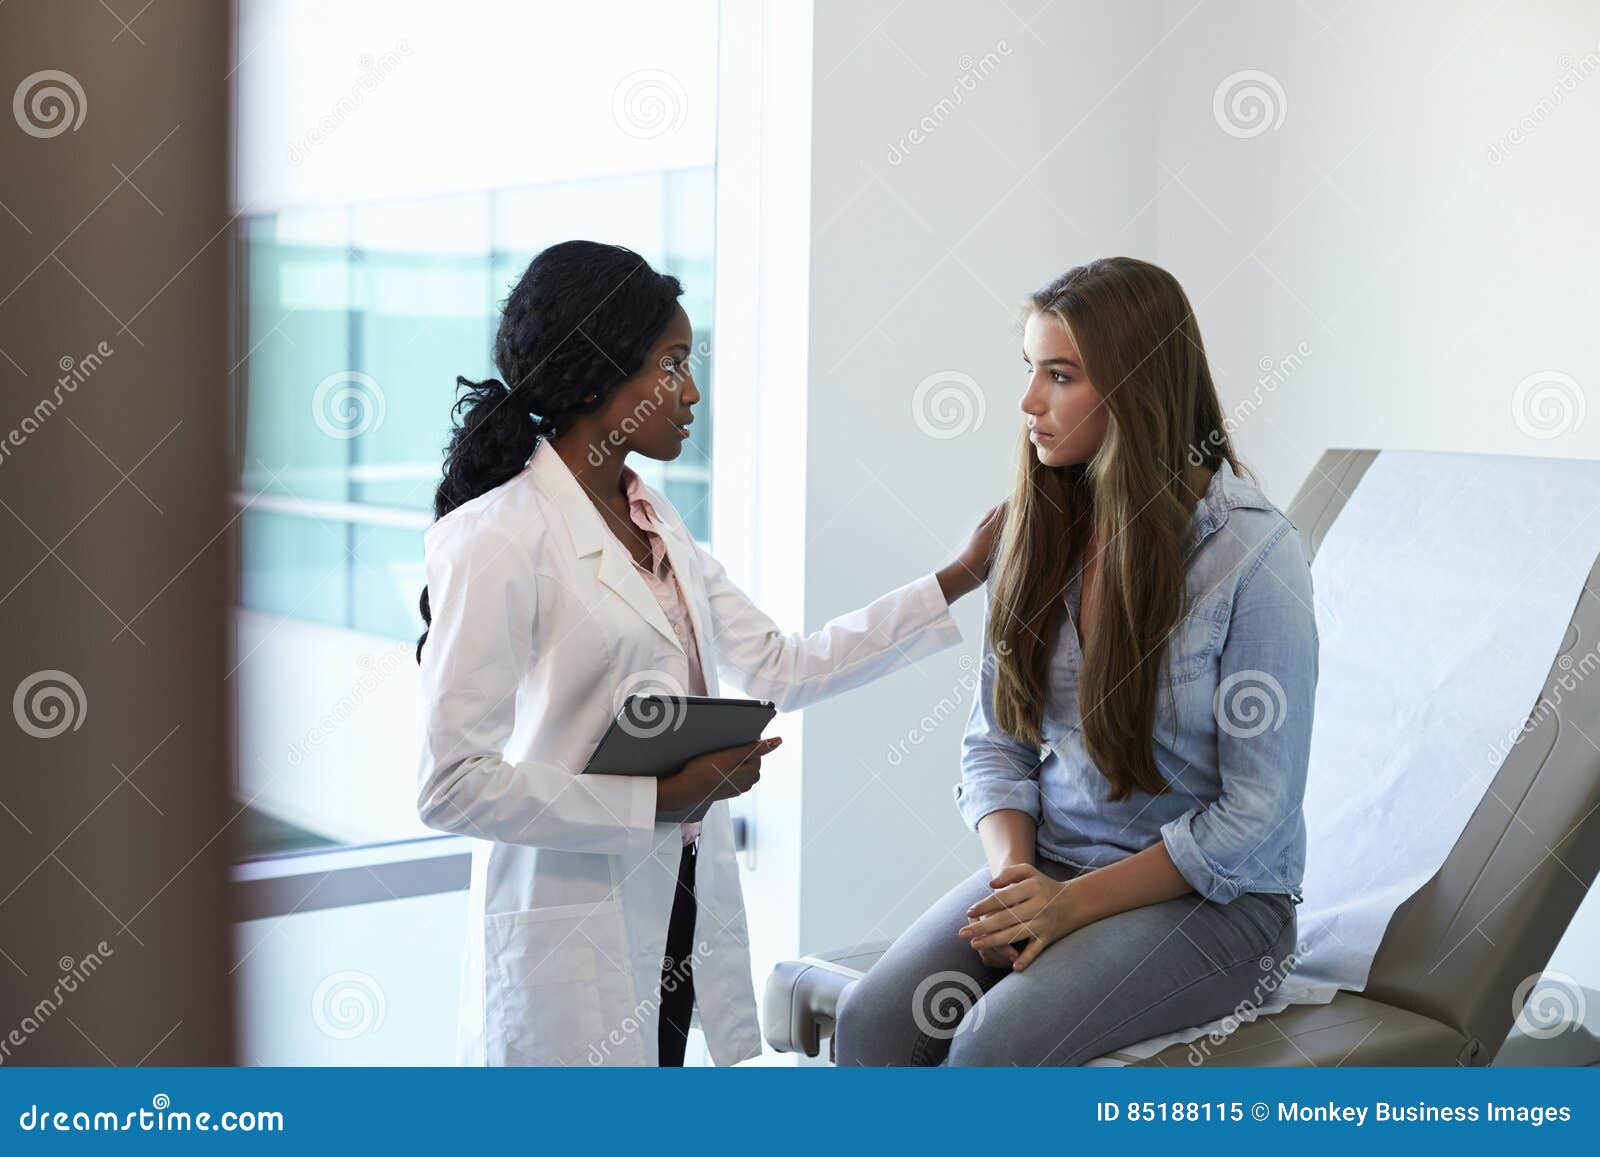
[
  {"x": 969, "y": 569},
  {"x": 715, "y": 775}
]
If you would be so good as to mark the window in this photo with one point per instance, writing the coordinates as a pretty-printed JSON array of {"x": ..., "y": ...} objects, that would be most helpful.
[{"x": 353, "y": 320}]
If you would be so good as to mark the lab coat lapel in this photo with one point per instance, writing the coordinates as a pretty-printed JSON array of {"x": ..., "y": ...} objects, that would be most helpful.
[{"x": 591, "y": 538}]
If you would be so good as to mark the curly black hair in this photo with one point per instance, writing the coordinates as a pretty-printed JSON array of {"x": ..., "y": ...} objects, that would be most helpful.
[{"x": 579, "y": 322}]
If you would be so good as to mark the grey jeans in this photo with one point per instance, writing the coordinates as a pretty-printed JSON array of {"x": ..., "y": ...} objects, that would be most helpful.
[{"x": 1131, "y": 976}]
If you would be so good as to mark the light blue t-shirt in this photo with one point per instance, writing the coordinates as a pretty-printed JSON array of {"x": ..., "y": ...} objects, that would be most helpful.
[{"x": 1232, "y": 722}]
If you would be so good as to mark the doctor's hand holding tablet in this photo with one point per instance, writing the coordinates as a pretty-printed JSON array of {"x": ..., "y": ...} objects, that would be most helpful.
[{"x": 605, "y": 904}]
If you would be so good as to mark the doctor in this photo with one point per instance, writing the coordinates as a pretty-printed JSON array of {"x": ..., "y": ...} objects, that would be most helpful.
[{"x": 558, "y": 584}]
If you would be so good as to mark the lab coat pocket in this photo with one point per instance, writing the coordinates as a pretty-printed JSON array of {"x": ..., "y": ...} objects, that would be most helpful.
[{"x": 554, "y": 974}]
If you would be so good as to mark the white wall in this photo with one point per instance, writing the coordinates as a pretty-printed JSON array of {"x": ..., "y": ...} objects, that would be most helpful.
[
  {"x": 1385, "y": 267},
  {"x": 938, "y": 204}
]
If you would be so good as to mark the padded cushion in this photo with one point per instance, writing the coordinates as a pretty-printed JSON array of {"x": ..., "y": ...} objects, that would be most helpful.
[{"x": 802, "y": 1001}]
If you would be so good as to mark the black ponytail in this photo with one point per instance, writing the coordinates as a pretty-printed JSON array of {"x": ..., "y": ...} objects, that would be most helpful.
[{"x": 578, "y": 323}]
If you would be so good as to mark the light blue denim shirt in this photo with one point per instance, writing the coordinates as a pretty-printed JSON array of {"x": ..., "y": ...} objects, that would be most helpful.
[{"x": 1232, "y": 728}]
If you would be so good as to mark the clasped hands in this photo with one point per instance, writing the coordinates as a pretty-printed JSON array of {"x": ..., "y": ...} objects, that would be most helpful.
[{"x": 1025, "y": 914}]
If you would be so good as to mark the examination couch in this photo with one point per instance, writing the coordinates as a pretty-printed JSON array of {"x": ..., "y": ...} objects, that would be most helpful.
[{"x": 1454, "y": 956}]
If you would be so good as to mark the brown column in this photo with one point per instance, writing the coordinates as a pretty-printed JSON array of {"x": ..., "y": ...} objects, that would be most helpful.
[{"x": 114, "y": 534}]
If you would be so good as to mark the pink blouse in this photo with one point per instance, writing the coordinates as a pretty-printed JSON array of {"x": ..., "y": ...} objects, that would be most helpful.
[{"x": 663, "y": 583}]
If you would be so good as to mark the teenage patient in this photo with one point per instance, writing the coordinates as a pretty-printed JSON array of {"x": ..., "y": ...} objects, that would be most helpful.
[{"x": 1136, "y": 757}]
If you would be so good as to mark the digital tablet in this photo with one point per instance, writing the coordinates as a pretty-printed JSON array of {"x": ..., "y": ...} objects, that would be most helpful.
[{"x": 657, "y": 734}]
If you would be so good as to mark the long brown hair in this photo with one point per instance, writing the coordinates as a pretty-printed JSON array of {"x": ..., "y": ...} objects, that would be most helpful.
[{"x": 1140, "y": 345}]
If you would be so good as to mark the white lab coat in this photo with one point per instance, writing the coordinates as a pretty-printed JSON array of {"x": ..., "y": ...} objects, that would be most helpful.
[{"x": 541, "y": 625}]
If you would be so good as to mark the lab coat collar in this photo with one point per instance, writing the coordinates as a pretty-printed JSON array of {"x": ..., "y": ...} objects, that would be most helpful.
[{"x": 591, "y": 537}]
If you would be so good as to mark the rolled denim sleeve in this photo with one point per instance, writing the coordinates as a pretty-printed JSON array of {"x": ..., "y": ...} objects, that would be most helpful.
[
  {"x": 1263, "y": 706},
  {"x": 997, "y": 770}
]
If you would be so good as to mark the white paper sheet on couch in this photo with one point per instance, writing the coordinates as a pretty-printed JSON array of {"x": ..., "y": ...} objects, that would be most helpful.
[{"x": 1443, "y": 592}]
